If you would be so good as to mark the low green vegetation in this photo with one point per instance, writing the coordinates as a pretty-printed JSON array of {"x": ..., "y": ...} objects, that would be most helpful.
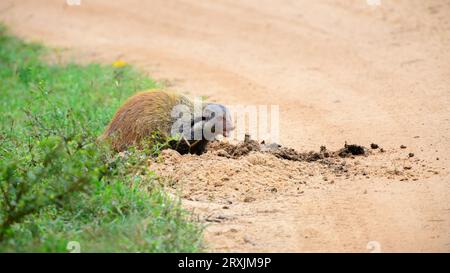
[{"x": 58, "y": 183}]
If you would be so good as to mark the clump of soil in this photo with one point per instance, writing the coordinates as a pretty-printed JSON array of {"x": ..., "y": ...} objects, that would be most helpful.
[
  {"x": 291, "y": 154},
  {"x": 351, "y": 150},
  {"x": 250, "y": 172},
  {"x": 244, "y": 148},
  {"x": 229, "y": 150}
]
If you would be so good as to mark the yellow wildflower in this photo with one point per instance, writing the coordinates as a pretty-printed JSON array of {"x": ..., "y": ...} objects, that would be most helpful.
[{"x": 119, "y": 64}]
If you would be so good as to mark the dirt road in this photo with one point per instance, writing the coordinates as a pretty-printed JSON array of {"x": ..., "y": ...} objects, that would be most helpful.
[{"x": 339, "y": 70}]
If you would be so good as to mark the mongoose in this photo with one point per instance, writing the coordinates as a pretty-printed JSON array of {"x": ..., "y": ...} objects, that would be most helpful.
[{"x": 156, "y": 111}]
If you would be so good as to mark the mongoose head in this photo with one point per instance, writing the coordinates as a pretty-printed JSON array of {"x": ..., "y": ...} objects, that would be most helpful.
[{"x": 215, "y": 120}]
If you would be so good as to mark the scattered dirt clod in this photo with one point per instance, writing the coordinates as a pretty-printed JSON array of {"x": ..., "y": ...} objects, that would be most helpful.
[
  {"x": 352, "y": 149},
  {"x": 235, "y": 151}
]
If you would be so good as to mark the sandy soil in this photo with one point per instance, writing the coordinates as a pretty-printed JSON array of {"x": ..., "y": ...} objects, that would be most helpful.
[{"x": 340, "y": 71}]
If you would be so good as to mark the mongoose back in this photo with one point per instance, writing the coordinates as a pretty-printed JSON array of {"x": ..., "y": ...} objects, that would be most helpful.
[{"x": 153, "y": 111}]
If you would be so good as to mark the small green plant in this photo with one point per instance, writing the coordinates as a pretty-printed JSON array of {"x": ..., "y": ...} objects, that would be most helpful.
[
  {"x": 54, "y": 171},
  {"x": 58, "y": 183}
]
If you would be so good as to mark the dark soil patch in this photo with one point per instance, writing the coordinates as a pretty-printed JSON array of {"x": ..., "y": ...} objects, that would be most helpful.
[
  {"x": 244, "y": 148},
  {"x": 351, "y": 150},
  {"x": 185, "y": 147}
]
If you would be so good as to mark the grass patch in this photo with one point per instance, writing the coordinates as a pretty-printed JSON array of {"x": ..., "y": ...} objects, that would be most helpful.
[{"x": 57, "y": 182}]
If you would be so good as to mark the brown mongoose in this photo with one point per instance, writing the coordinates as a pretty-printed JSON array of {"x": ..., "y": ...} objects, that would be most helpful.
[{"x": 158, "y": 111}]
